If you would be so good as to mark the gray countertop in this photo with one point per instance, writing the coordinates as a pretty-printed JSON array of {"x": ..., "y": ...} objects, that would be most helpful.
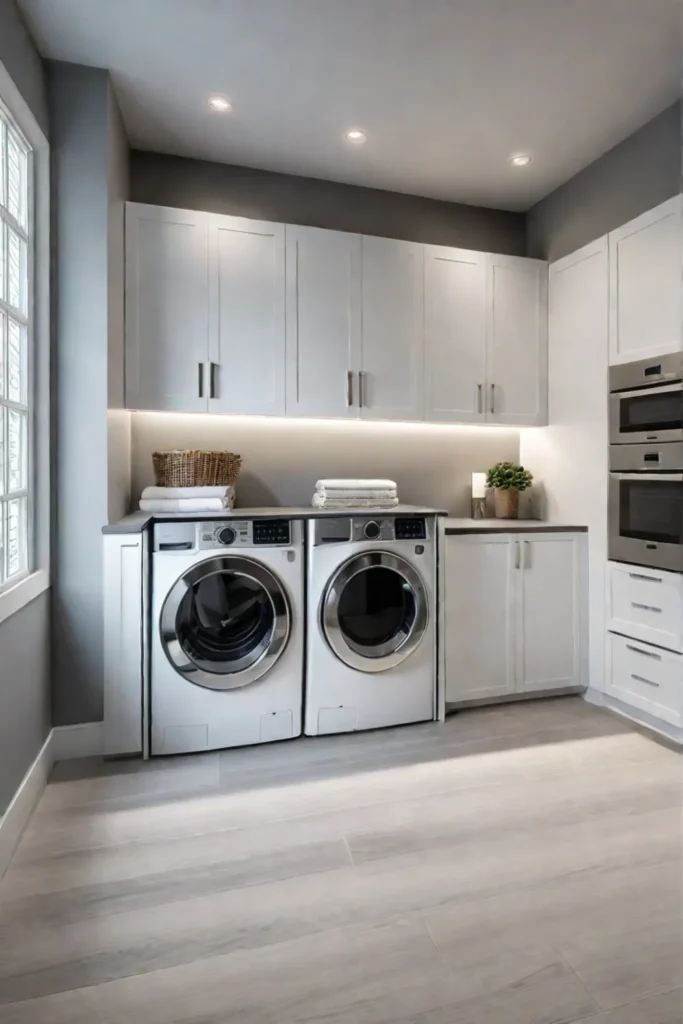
[
  {"x": 459, "y": 526},
  {"x": 137, "y": 521}
]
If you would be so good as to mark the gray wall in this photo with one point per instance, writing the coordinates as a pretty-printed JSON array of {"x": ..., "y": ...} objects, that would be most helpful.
[
  {"x": 84, "y": 126},
  {"x": 23, "y": 62},
  {"x": 25, "y": 636},
  {"x": 242, "y": 191},
  {"x": 282, "y": 459},
  {"x": 24, "y": 692},
  {"x": 636, "y": 175},
  {"x": 118, "y": 420}
]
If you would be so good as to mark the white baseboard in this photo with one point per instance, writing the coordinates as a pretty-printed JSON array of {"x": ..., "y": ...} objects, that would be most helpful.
[
  {"x": 635, "y": 715},
  {"x": 72, "y": 741},
  {"x": 16, "y": 817},
  {"x": 63, "y": 743}
]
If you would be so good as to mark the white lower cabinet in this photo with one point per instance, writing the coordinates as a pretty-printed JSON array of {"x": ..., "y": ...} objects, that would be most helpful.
[
  {"x": 646, "y": 604},
  {"x": 479, "y": 629},
  {"x": 513, "y": 614},
  {"x": 645, "y": 677},
  {"x": 549, "y": 611}
]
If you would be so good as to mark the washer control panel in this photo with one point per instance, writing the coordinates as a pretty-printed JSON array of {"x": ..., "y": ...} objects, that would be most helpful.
[
  {"x": 244, "y": 533},
  {"x": 271, "y": 531},
  {"x": 410, "y": 528},
  {"x": 227, "y": 533}
]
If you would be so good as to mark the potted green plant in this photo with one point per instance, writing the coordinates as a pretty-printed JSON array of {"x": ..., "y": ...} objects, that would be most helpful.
[{"x": 507, "y": 479}]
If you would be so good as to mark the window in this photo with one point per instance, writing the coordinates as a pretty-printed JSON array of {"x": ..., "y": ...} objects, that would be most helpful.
[{"x": 16, "y": 332}]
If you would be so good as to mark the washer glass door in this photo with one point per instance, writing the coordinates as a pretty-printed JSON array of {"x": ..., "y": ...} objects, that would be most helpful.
[
  {"x": 225, "y": 622},
  {"x": 374, "y": 611}
]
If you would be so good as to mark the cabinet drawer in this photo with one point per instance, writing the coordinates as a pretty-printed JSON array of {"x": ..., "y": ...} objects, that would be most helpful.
[
  {"x": 646, "y": 677},
  {"x": 646, "y": 604}
]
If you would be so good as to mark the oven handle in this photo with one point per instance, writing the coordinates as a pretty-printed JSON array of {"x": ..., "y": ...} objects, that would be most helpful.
[
  {"x": 673, "y": 477},
  {"x": 659, "y": 389}
]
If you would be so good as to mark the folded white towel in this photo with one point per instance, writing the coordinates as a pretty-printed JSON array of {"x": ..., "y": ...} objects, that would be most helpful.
[
  {"x": 355, "y": 485},
  {"x": 184, "y": 505},
  {"x": 187, "y": 492},
  {"x": 319, "y": 501},
  {"x": 373, "y": 492}
]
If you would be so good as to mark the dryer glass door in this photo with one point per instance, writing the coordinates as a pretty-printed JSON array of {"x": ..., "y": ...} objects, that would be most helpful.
[
  {"x": 225, "y": 622},
  {"x": 374, "y": 611}
]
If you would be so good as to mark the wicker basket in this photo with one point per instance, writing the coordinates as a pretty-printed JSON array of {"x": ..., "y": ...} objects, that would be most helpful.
[{"x": 196, "y": 468}]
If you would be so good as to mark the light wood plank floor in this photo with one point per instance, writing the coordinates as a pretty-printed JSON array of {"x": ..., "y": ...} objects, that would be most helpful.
[{"x": 519, "y": 865}]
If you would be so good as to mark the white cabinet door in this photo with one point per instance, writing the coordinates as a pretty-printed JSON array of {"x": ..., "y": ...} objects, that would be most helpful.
[
  {"x": 323, "y": 322},
  {"x": 645, "y": 285},
  {"x": 517, "y": 340},
  {"x": 392, "y": 329},
  {"x": 478, "y": 617},
  {"x": 549, "y": 611},
  {"x": 247, "y": 303},
  {"x": 455, "y": 335},
  {"x": 167, "y": 304}
]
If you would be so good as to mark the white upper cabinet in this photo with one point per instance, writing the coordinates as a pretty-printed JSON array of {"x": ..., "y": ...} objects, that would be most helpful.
[
  {"x": 247, "y": 316},
  {"x": 455, "y": 335},
  {"x": 646, "y": 256},
  {"x": 549, "y": 636},
  {"x": 167, "y": 309},
  {"x": 238, "y": 316},
  {"x": 517, "y": 341},
  {"x": 390, "y": 382},
  {"x": 323, "y": 322}
]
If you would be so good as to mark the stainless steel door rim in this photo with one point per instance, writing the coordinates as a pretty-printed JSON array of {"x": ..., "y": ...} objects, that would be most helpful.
[
  {"x": 236, "y": 672},
  {"x": 378, "y": 657}
]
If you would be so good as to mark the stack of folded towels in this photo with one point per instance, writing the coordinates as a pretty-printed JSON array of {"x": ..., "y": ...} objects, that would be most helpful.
[
  {"x": 187, "y": 499},
  {"x": 350, "y": 494}
]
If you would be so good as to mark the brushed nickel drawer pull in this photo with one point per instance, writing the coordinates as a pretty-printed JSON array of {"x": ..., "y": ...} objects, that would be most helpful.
[
  {"x": 641, "y": 576},
  {"x": 517, "y": 554},
  {"x": 480, "y": 388},
  {"x": 645, "y": 607},
  {"x": 648, "y": 654},
  {"x": 642, "y": 679}
]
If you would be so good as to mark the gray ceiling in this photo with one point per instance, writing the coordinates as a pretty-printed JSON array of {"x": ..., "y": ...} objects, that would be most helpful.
[{"x": 445, "y": 89}]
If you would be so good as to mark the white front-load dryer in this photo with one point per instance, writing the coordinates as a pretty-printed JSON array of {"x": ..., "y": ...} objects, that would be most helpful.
[
  {"x": 227, "y": 637},
  {"x": 371, "y": 641}
]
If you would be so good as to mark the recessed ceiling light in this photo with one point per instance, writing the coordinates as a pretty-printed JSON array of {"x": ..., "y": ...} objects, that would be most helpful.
[
  {"x": 220, "y": 104},
  {"x": 356, "y": 136},
  {"x": 520, "y": 159}
]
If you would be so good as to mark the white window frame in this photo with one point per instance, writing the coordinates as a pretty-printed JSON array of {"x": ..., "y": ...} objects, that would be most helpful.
[{"x": 15, "y": 595}]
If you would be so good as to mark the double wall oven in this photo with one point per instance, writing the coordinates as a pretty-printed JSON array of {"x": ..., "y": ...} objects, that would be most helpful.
[{"x": 646, "y": 463}]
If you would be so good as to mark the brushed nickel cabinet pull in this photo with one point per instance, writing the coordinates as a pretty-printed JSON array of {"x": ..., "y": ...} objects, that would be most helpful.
[
  {"x": 517, "y": 555},
  {"x": 642, "y": 679},
  {"x": 200, "y": 380},
  {"x": 360, "y": 389},
  {"x": 647, "y": 654},
  {"x": 480, "y": 398},
  {"x": 212, "y": 380},
  {"x": 645, "y": 607},
  {"x": 349, "y": 388},
  {"x": 527, "y": 554},
  {"x": 642, "y": 576},
  {"x": 493, "y": 398}
]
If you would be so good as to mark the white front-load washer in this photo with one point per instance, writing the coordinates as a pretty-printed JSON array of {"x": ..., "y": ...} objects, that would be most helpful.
[
  {"x": 227, "y": 636},
  {"x": 371, "y": 640}
]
